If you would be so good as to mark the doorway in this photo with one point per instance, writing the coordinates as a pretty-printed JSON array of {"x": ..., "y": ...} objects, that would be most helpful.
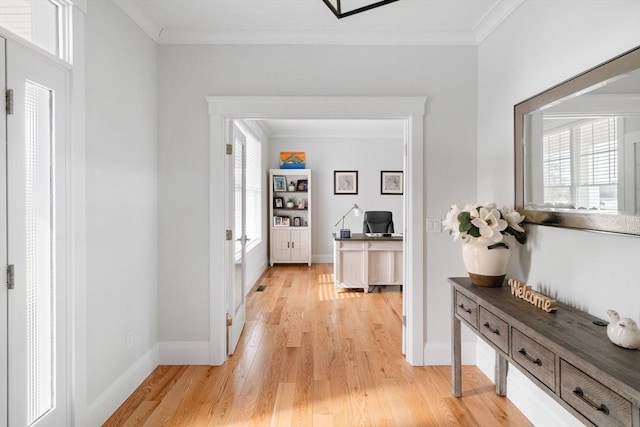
[{"x": 223, "y": 110}]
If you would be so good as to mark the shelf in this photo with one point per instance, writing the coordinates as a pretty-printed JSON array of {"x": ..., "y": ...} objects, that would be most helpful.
[{"x": 290, "y": 209}]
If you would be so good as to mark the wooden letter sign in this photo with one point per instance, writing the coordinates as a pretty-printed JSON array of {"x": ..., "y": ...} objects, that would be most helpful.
[{"x": 523, "y": 291}]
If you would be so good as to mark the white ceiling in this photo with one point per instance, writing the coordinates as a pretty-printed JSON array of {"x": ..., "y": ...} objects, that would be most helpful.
[
  {"x": 302, "y": 128},
  {"x": 405, "y": 22}
]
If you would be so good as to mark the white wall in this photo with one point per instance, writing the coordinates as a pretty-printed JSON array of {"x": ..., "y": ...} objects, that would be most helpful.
[
  {"x": 368, "y": 156},
  {"x": 542, "y": 44},
  {"x": 447, "y": 75},
  {"x": 121, "y": 212}
]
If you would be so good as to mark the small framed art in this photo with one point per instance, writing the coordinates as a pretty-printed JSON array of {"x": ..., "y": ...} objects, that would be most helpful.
[
  {"x": 345, "y": 182},
  {"x": 279, "y": 183},
  {"x": 391, "y": 182},
  {"x": 278, "y": 202},
  {"x": 302, "y": 185},
  {"x": 297, "y": 221}
]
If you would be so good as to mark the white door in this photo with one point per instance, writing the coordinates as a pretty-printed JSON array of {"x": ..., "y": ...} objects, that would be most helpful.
[
  {"x": 236, "y": 307},
  {"x": 36, "y": 239}
]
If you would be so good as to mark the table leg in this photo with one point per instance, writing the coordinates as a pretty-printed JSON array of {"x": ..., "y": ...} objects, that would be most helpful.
[
  {"x": 502, "y": 366},
  {"x": 456, "y": 362}
]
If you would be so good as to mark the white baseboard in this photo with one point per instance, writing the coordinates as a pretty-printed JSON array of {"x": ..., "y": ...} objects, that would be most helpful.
[
  {"x": 534, "y": 403},
  {"x": 184, "y": 353},
  {"x": 322, "y": 258},
  {"x": 439, "y": 353},
  {"x": 119, "y": 390}
]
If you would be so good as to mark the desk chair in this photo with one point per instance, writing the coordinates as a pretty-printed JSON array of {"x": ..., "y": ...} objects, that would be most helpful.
[{"x": 377, "y": 222}]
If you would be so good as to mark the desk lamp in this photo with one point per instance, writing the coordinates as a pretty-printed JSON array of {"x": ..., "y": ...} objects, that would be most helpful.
[{"x": 345, "y": 233}]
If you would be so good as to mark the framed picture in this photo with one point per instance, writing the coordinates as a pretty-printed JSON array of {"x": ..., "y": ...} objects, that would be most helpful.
[
  {"x": 279, "y": 183},
  {"x": 302, "y": 185},
  {"x": 292, "y": 159},
  {"x": 278, "y": 202},
  {"x": 391, "y": 182},
  {"x": 297, "y": 221},
  {"x": 345, "y": 182},
  {"x": 277, "y": 221},
  {"x": 285, "y": 221}
]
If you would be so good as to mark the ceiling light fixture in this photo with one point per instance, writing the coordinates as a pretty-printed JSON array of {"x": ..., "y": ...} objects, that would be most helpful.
[{"x": 353, "y": 6}]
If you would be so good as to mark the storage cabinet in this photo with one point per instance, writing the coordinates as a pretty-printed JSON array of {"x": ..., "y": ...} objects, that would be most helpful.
[
  {"x": 566, "y": 353},
  {"x": 290, "y": 224}
]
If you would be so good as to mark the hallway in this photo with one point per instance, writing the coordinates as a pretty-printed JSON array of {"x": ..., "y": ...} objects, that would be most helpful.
[{"x": 312, "y": 356}]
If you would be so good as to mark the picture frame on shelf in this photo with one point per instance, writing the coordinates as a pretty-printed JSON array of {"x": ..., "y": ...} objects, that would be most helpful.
[
  {"x": 297, "y": 221},
  {"x": 302, "y": 185},
  {"x": 279, "y": 183},
  {"x": 345, "y": 182},
  {"x": 277, "y": 221},
  {"x": 278, "y": 202},
  {"x": 286, "y": 221},
  {"x": 391, "y": 182}
]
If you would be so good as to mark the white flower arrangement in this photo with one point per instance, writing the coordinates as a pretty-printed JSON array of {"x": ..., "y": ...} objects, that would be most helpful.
[{"x": 484, "y": 223}]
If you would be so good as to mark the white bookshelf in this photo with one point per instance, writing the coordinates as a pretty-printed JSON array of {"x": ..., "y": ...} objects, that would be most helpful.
[{"x": 290, "y": 226}]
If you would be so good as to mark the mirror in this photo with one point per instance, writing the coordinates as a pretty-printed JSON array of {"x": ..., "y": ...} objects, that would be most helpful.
[{"x": 578, "y": 150}]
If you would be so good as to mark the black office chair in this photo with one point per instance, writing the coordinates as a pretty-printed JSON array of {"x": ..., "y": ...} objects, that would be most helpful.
[{"x": 377, "y": 222}]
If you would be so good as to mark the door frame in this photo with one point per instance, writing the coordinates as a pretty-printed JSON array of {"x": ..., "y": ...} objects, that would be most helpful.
[{"x": 223, "y": 109}]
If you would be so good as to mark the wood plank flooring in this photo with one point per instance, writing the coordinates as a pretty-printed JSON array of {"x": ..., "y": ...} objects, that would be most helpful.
[{"x": 313, "y": 356}]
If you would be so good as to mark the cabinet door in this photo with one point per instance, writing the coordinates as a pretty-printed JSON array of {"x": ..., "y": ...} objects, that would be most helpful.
[
  {"x": 280, "y": 246},
  {"x": 299, "y": 245}
]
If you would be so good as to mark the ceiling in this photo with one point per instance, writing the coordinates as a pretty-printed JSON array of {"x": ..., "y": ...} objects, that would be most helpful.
[
  {"x": 305, "y": 128},
  {"x": 405, "y": 22}
]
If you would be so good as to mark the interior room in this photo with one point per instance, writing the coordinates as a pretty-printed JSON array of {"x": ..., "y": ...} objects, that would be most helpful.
[{"x": 150, "y": 92}]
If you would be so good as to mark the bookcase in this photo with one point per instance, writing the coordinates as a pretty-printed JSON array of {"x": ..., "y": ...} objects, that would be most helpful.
[{"x": 290, "y": 216}]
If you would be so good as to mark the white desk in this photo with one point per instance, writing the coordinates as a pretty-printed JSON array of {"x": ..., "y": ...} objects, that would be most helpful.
[{"x": 361, "y": 261}]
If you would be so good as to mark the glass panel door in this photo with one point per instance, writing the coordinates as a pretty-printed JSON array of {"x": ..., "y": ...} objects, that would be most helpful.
[{"x": 36, "y": 239}]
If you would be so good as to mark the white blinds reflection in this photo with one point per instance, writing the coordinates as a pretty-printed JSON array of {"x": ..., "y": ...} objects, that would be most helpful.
[{"x": 39, "y": 257}]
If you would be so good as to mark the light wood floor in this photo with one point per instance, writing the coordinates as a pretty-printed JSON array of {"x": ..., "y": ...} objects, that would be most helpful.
[{"x": 312, "y": 356}]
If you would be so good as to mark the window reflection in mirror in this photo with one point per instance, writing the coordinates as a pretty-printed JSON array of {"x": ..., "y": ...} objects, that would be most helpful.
[{"x": 578, "y": 150}]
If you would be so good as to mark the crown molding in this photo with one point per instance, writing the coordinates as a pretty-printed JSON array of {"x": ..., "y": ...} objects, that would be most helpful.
[
  {"x": 495, "y": 16},
  {"x": 500, "y": 10},
  {"x": 141, "y": 18},
  {"x": 375, "y": 38}
]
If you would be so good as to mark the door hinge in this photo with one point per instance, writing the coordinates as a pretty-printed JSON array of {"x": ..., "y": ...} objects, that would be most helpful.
[
  {"x": 229, "y": 235},
  {"x": 11, "y": 276},
  {"x": 9, "y": 101},
  {"x": 229, "y": 149},
  {"x": 229, "y": 320}
]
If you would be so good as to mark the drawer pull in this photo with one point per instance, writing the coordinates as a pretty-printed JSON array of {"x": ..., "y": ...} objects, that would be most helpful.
[
  {"x": 601, "y": 407},
  {"x": 468, "y": 310},
  {"x": 495, "y": 331},
  {"x": 535, "y": 361}
]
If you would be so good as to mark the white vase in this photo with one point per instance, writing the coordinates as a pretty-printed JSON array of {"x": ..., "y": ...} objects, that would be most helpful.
[{"x": 486, "y": 265}]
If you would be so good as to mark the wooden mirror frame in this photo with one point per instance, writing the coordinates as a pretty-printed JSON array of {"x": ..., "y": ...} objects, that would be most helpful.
[{"x": 605, "y": 222}]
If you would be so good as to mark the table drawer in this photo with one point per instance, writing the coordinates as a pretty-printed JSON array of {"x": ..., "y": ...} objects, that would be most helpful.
[
  {"x": 494, "y": 329},
  {"x": 467, "y": 309},
  {"x": 595, "y": 401},
  {"x": 534, "y": 358}
]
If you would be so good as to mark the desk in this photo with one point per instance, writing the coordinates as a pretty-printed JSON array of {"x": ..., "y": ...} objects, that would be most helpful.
[
  {"x": 362, "y": 261},
  {"x": 563, "y": 353}
]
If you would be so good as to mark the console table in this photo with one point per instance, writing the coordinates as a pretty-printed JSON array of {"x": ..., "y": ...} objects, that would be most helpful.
[
  {"x": 564, "y": 353},
  {"x": 362, "y": 261}
]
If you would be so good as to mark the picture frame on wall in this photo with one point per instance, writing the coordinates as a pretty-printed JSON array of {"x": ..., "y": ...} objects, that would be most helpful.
[
  {"x": 391, "y": 182},
  {"x": 279, "y": 183},
  {"x": 345, "y": 182}
]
